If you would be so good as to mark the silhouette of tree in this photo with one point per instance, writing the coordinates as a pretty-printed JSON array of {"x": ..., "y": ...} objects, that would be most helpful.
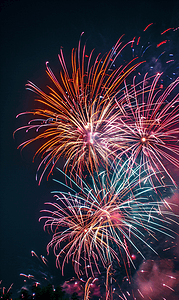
[
  {"x": 59, "y": 294},
  {"x": 74, "y": 296},
  {"x": 49, "y": 293}
]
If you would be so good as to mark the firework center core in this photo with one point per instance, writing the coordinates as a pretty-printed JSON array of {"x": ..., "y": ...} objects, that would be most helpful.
[{"x": 143, "y": 139}]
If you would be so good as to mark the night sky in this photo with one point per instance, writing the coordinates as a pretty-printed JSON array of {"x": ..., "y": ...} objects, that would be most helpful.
[{"x": 32, "y": 33}]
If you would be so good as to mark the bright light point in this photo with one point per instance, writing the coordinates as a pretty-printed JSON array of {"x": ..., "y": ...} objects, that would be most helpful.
[
  {"x": 87, "y": 126},
  {"x": 133, "y": 256},
  {"x": 172, "y": 277},
  {"x": 85, "y": 230},
  {"x": 143, "y": 140}
]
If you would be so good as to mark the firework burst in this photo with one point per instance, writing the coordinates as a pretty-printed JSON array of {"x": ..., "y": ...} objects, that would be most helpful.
[
  {"x": 148, "y": 131},
  {"x": 77, "y": 110},
  {"x": 100, "y": 221}
]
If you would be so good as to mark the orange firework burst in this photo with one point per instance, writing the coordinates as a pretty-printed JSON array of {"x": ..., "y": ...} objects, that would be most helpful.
[{"x": 78, "y": 110}]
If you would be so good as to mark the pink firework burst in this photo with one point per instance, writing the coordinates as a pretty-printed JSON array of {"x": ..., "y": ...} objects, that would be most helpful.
[{"x": 148, "y": 130}]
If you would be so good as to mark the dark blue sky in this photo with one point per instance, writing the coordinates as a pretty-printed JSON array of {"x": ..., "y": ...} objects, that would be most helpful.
[{"x": 31, "y": 33}]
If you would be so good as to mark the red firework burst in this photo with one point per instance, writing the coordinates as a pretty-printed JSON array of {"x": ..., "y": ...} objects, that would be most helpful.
[{"x": 148, "y": 131}]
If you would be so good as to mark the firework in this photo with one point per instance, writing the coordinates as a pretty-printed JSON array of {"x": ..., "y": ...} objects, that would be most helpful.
[
  {"x": 5, "y": 293},
  {"x": 159, "y": 49},
  {"x": 155, "y": 279},
  {"x": 148, "y": 131},
  {"x": 37, "y": 272},
  {"x": 101, "y": 220},
  {"x": 72, "y": 118},
  {"x": 132, "y": 132},
  {"x": 87, "y": 289}
]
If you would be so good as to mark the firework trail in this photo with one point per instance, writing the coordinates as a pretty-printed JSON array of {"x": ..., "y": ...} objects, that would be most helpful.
[
  {"x": 148, "y": 131},
  {"x": 37, "y": 272},
  {"x": 72, "y": 118},
  {"x": 87, "y": 288},
  {"x": 159, "y": 50},
  {"x": 5, "y": 293},
  {"x": 100, "y": 221}
]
